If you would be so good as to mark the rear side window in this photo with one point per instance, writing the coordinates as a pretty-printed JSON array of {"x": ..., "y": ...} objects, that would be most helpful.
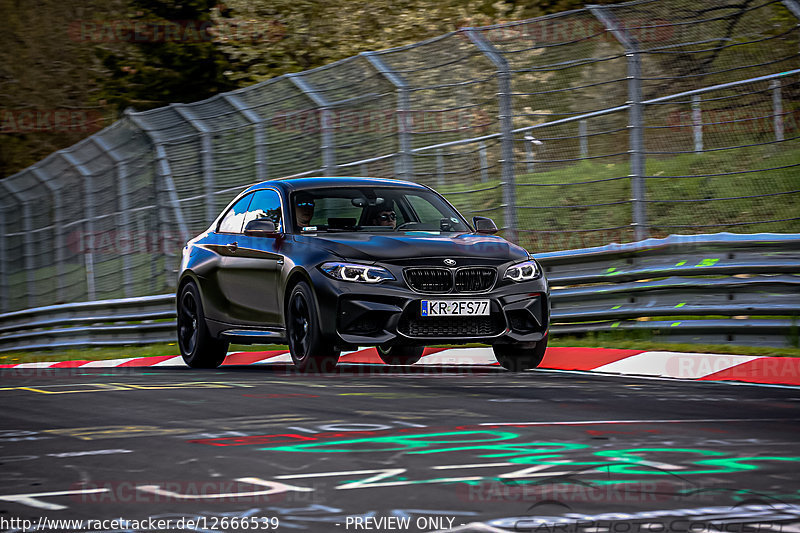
[
  {"x": 233, "y": 221},
  {"x": 266, "y": 204}
]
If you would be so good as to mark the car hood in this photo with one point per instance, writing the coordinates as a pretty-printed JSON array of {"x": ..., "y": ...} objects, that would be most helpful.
[{"x": 396, "y": 248}]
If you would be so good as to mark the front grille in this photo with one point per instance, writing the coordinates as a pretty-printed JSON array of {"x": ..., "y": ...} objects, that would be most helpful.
[
  {"x": 459, "y": 326},
  {"x": 475, "y": 279},
  {"x": 441, "y": 280},
  {"x": 429, "y": 279}
]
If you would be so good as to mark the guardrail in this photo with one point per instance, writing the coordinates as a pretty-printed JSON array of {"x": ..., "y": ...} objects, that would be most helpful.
[{"x": 715, "y": 289}]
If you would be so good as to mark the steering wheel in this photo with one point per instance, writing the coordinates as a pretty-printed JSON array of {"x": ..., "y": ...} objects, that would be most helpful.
[{"x": 404, "y": 224}]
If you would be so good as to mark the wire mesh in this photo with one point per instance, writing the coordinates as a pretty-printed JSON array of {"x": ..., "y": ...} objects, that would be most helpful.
[{"x": 716, "y": 83}]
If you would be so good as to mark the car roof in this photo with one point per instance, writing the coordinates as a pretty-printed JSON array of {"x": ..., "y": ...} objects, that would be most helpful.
[{"x": 298, "y": 184}]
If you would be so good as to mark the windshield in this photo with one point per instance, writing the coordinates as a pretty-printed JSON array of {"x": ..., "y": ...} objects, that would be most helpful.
[{"x": 374, "y": 209}]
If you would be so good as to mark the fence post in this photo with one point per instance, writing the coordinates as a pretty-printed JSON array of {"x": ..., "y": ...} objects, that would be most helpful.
[
  {"x": 635, "y": 117},
  {"x": 777, "y": 109},
  {"x": 793, "y": 6},
  {"x": 206, "y": 153},
  {"x": 88, "y": 206},
  {"x": 583, "y": 126},
  {"x": 484, "y": 160},
  {"x": 163, "y": 171},
  {"x": 124, "y": 211},
  {"x": 439, "y": 167},
  {"x": 529, "y": 153},
  {"x": 58, "y": 226},
  {"x": 405, "y": 169},
  {"x": 259, "y": 135},
  {"x": 326, "y": 143},
  {"x": 28, "y": 248},
  {"x": 697, "y": 123},
  {"x": 506, "y": 127},
  {"x": 4, "y": 299}
]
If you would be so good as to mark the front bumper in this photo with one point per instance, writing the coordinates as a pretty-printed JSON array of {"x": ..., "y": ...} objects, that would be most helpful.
[{"x": 356, "y": 314}]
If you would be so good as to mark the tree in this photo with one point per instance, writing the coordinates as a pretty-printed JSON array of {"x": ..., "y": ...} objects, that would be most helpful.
[{"x": 167, "y": 54}]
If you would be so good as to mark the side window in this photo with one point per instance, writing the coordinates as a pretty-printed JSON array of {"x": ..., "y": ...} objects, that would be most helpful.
[
  {"x": 266, "y": 204},
  {"x": 233, "y": 221}
]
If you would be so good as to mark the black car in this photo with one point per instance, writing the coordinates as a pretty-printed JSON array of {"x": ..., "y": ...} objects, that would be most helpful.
[{"x": 331, "y": 264}]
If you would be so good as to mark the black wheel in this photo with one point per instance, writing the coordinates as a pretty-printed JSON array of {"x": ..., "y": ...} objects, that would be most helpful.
[
  {"x": 519, "y": 357},
  {"x": 310, "y": 351},
  {"x": 198, "y": 348},
  {"x": 400, "y": 355}
]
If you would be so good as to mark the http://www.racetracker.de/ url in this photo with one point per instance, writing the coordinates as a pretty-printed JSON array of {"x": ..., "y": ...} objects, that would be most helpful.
[{"x": 43, "y": 523}]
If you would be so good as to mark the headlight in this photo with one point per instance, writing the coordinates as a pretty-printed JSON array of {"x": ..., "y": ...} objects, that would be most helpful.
[
  {"x": 524, "y": 271},
  {"x": 355, "y": 272}
]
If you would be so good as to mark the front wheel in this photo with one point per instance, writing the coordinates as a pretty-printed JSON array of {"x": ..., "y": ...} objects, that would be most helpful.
[
  {"x": 400, "y": 355},
  {"x": 198, "y": 348},
  {"x": 310, "y": 351},
  {"x": 519, "y": 357}
]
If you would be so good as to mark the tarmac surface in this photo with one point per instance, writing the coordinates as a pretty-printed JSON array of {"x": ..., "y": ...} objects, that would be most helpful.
[{"x": 376, "y": 448}]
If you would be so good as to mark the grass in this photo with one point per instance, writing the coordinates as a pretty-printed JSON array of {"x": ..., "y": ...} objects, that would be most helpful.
[
  {"x": 555, "y": 199},
  {"x": 599, "y": 340}
]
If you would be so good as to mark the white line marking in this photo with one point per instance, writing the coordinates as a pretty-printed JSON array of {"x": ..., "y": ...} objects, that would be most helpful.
[
  {"x": 476, "y": 465},
  {"x": 30, "y": 499},
  {"x": 177, "y": 360},
  {"x": 674, "y": 364},
  {"x": 672, "y": 421},
  {"x": 105, "y": 363}
]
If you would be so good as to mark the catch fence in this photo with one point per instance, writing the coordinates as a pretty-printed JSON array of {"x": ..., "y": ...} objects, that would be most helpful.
[{"x": 604, "y": 124}]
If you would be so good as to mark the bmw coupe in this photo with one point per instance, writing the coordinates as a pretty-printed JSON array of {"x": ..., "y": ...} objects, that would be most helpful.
[{"x": 330, "y": 264}]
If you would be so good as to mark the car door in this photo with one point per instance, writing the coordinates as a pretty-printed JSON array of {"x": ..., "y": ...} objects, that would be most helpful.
[
  {"x": 223, "y": 241},
  {"x": 250, "y": 269}
]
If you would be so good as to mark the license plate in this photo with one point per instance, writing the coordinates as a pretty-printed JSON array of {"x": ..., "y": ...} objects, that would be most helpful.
[{"x": 455, "y": 308}]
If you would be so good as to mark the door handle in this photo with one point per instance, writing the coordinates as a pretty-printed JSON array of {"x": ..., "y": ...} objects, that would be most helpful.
[{"x": 233, "y": 246}]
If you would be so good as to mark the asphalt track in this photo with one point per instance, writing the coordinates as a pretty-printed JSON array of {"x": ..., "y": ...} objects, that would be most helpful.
[{"x": 373, "y": 448}]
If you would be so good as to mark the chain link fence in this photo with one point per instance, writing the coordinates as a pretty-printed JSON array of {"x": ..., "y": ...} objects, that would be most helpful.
[{"x": 604, "y": 124}]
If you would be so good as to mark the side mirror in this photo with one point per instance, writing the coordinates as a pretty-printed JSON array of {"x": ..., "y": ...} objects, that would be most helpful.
[
  {"x": 484, "y": 225},
  {"x": 260, "y": 227}
]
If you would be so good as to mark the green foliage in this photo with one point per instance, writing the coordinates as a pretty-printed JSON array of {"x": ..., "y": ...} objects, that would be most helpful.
[
  {"x": 283, "y": 36},
  {"x": 184, "y": 66}
]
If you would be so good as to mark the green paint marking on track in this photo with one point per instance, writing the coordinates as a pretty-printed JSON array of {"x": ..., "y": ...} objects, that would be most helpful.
[
  {"x": 616, "y": 307},
  {"x": 708, "y": 262},
  {"x": 680, "y": 264},
  {"x": 611, "y": 270},
  {"x": 675, "y": 324},
  {"x": 615, "y": 324},
  {"x": 680, "y": 305}
]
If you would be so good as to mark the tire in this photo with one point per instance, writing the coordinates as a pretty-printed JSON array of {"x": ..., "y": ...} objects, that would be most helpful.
[
  {"x": 310, "y": 350},
  {"x": 519, "y": 357},
  {"x": 400, "y": 355},
  {"x": 198, "y": 348}
]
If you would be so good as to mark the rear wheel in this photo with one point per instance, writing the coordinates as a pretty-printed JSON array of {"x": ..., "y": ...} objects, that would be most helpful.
[
  {"x": 198, "y": 348},
  {"x": 310, "y": 351},
  {"x": 519, "y": 357},
  {"x": 400, "y": 355}
]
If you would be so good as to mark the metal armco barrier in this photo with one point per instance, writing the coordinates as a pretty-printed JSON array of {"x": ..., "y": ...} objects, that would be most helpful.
[{"x": 715, "y": 289}]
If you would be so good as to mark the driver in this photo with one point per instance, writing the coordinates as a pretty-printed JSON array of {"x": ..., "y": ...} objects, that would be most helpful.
[
  {"x": 385, "y": 217},
  {"x": 303, "y": 208}
]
